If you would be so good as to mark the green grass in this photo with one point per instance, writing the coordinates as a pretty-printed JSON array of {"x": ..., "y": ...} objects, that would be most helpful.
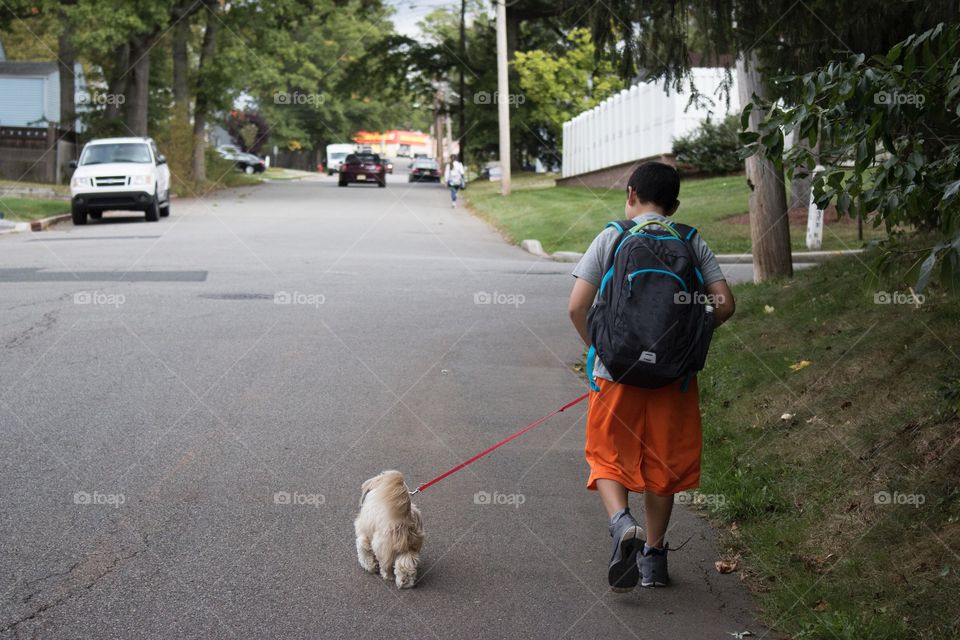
[
  {"x": 874, "y": 411},
  {"x": 23, "y": 209},
  {"x": 568, "y": 218}
]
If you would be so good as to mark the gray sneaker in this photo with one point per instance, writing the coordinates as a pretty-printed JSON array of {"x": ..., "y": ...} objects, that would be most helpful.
[
  {"x": 623, "y": 573},
  {"x": 653, "y": 567}
]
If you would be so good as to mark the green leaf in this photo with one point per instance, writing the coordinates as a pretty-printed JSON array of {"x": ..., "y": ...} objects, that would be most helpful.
[{"x": 927, "y": 267}]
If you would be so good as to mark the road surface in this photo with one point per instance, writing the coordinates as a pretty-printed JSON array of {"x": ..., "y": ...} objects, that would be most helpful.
[{"x": 188, "y": 409}]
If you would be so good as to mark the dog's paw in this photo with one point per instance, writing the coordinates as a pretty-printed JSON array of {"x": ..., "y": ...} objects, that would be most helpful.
[
  {"x": 369, "y": 565},
  {"x": 406, "y": 580}
]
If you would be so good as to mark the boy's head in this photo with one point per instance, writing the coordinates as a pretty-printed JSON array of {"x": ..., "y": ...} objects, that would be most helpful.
[{"x": 653, "y": 186}]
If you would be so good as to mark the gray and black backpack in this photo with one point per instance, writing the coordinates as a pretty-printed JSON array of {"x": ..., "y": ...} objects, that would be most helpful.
[{"x": 650, "y": 324}]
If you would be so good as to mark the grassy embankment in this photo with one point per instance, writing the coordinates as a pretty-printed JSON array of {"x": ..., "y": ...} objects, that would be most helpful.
[{"x": 567, "y": 218}]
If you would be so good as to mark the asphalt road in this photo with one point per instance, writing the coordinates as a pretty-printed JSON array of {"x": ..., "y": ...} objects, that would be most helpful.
[{"x": 155, "y": 398}]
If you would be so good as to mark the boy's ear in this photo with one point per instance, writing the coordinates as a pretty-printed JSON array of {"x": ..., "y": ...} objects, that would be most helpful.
[{"x": 631, "y": 196}]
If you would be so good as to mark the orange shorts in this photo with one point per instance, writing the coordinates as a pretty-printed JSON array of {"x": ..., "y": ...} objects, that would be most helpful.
[{"x": 645, "y": 439}]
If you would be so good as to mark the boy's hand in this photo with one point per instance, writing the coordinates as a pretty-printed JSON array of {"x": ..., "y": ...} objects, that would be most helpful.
[{"x": 581, "y": 299}]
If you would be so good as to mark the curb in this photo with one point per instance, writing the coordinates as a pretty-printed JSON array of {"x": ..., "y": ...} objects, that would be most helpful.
[
  {"x": 44, "y": 223},
  {"x": 799, "y": 257}
]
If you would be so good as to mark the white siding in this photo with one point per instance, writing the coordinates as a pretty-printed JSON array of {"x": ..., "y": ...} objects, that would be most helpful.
[{"x": 22, "y": 101}]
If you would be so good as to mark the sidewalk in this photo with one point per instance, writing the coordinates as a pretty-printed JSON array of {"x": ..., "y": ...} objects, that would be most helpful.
[{"x": 799, "y": 257}]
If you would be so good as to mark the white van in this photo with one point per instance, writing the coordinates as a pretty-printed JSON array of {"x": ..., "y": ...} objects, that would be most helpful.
[{"x": 336, "y": 154}]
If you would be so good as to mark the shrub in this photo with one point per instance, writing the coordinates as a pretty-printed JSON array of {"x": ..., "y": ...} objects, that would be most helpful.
[{"x": 711, "y": 148}]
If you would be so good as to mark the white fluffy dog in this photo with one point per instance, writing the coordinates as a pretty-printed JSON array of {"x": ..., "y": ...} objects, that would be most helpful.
[{"x": 389, "y": 529}]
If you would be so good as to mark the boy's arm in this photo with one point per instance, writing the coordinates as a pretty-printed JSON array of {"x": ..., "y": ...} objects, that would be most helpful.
[
  {"x": 723, "y": 303},
  {"x": 581, "y": 299}
]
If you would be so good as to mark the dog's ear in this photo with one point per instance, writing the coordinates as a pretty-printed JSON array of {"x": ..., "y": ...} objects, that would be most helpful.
[{"x": 367, "y": 485}]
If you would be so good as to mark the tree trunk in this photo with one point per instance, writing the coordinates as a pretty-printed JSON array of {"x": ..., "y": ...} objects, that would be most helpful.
[
  {"x": 119, "y": 80},
  {"x": 138, "y": 94},
  {"x": 66, "y": 56},
  {"x": 181, "y": 86},
  {"x": 769, "y": 226},
  {"x": 207, "y": 51}
]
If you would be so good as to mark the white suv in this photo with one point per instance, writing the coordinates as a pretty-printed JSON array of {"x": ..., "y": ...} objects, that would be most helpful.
[{"x": 128, "y": 174}]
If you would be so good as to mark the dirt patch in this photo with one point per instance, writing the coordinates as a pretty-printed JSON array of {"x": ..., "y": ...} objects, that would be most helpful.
[{"x": 798, "y": 217}]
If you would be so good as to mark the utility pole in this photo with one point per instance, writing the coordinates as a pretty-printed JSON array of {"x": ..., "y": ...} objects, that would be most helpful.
[
  {"x": 502, "y": 96},
  {"x": 463, "y": 61}
]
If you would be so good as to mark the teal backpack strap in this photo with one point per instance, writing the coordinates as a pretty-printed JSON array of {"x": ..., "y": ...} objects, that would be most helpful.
[
  {"x": 686, "y": 382},
  {"x": 591, "y": 357}
]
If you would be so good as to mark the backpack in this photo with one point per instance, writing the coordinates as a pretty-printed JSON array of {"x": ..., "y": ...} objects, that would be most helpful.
[{"x": 650, "y": 324}]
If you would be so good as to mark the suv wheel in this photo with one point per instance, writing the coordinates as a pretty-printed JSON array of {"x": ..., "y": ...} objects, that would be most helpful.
[
  {"x": 248, "y": 169},
  {"x": 165, "y": 209},
  {"x": 78, "y": 214},
  {"x": 153, "y": 210}
]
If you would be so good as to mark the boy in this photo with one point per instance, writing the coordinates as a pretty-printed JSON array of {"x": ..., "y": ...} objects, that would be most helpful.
[{"x": 642, "y": 440}]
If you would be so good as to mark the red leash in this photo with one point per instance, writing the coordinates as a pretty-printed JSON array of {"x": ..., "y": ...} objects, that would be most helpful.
[{"x": 499, "y": 444}]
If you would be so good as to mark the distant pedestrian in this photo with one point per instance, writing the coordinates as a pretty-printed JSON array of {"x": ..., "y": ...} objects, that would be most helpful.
[{"x": 454, "y": 178}]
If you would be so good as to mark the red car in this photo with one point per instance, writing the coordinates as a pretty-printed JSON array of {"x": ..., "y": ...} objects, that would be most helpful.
[{"x": 363, "y": 167}]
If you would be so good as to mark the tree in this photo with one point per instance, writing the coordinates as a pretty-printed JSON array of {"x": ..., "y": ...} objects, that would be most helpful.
[
  {"x": 560, "y": 86},
  {"x": 663, "y": 39},
  {"x": 895, "y": 117}
]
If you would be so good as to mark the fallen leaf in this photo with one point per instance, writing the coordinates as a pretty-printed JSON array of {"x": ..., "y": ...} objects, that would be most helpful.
[
  {"x": 786, "y": 416},
  {"x": 823, "y": 605},
  {"x": 803, "y": 364},
  {"x": 726, "y": 566},
  {"x": 767, "y": 309},
  {"x": 740, "y": 635}
]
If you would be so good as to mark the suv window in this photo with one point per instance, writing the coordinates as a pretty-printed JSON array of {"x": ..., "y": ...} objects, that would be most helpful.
[
  {"x": 425, "y": 163},
  {"x": 137, "y": 152}
]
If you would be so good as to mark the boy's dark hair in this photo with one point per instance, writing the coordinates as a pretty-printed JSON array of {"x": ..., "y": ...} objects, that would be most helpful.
[{"x": 656, "y": 182}]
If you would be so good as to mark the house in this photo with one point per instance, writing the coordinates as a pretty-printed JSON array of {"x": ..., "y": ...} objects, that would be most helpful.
[{"x": 33, "y": 144}]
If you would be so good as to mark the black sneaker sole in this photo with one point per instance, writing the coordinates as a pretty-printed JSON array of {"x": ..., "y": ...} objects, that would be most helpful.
[{"x": 624, "y": 575}]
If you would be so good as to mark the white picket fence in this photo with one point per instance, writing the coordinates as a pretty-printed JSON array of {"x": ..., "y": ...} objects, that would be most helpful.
[{"x": 640, "y": 122}]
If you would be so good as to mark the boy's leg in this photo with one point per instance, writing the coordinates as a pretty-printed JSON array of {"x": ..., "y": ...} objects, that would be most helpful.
[
  {"x": 613, "y": 494},
  {"x": 657, "y": 510}
]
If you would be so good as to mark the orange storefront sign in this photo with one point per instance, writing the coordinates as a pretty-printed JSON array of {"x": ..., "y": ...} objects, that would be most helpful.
[{"x": 391, "y": 137}]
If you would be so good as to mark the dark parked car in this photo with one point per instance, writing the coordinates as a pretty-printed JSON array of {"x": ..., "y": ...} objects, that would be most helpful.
[
  {"x": 363, "y": 167},
  {"x": 246, "y": 162},
  {"x": 424, "y": 170}
]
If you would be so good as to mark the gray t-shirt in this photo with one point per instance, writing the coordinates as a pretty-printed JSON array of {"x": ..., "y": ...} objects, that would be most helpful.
[{"x": 593, "y": 263}]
